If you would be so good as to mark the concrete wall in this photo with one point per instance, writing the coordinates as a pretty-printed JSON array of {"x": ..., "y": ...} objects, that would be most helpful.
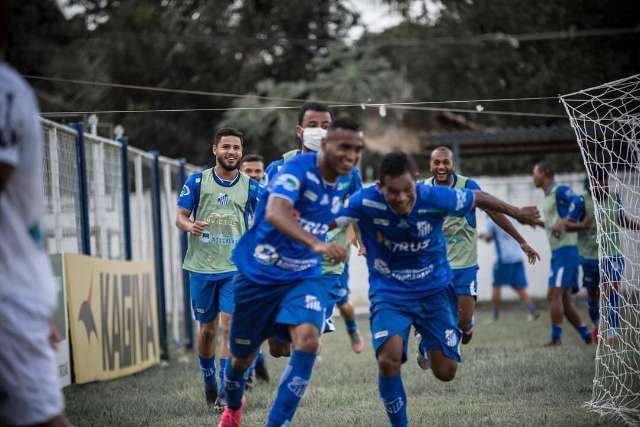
[{"x": 517, "y": 190}]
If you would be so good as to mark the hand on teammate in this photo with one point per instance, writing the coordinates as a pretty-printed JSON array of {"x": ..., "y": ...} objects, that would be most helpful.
[
  {"x": 558, "y": 228},
  {"x": 531, "y": 253},
  {"x": 528, "y": 215},
  {"x": 198, "y": 227},
  {"x": 335, "y": 252}
]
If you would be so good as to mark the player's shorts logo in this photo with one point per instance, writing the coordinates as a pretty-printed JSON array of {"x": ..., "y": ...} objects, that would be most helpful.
[
  {"x": 424, "y": 228},
  {"x": 394, "y": 406},
  {"x": 265, "y": 254},
  {"x": 451, "y": 338},
  {"x": 311, "y": 302},
  {"x": 298, "y": 386},
  {"x": 288, "y": 182}
]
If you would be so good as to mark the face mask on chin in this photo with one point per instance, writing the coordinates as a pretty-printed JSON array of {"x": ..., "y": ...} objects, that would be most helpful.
[{"x": 311, "y": 138}]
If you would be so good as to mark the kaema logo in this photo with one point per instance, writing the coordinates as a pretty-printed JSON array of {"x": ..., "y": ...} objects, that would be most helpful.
[{"x": 86, "y": 316}]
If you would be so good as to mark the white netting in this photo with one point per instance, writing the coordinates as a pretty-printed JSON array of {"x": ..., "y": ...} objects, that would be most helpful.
[{"x": 606, "y": 120}]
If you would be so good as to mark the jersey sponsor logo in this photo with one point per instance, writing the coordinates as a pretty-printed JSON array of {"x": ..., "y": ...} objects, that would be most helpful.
[
  {"x": 311, "y": 302},
  {"x": 429, "y": 211},
  {"x": 394, "y": 246},
  {"x": 218, "y": 239},
  {"x": 373, "y": 204},
  {"x": 381, "y": 266},
  {"x": 380, "y": 334},
  {"x": 461, "y": 199},
  {"x": 394, "y": 406},
  {"x": 296, "y": 264},
  {"x": 217, "y": 218},
  {"x": 344, "y": 185},
  {"x": 381, "y": 221},
  {"x": 297, "y": 386},
  {"x": 223, "y": 199},
  {"x": 265, "y": 254},
  {"x": 198, "y": 179},
  {"x": 424, "y": 228},
  {"x": 185, "y": 191},
  {"x": 312, "y": 177},
  {"x": 315, "y": 228},
  {"x": 310, "y": 195},
  {"x": 450, "y": 337},
  {"x": 288, "y": 181},
  {"x": 412, "y": 275}
]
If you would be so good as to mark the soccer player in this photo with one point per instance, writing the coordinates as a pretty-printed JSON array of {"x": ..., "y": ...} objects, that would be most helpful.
[
  {"x": 564, "y": 254},
  {"x": 314, "y": 119},
  {"x": 581, "y": 218},
  {"x": 30, "y": 392},
  {"x": 508, "y": 270},
  {"x": 462, "y": 239},
  {"x": 279, "y": 288},
  {"x": 409, "y": 276},
  {"x": 214, "y": 208}
]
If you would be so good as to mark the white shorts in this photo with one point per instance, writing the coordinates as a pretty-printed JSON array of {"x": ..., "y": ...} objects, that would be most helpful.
[{"x": 30, "y": 391}]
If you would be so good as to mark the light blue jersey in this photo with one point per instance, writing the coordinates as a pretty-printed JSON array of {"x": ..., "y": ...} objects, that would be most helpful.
[
  {"x": 406, "y": 255},
  {"x": 266, "y": 256},
  {"x": 508, "y": 251}
]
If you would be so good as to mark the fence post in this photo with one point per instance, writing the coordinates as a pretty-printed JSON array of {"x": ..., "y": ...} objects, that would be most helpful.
[
  {"x": 81, "y": 164},
  {"x": 159, "y": 256},
  {"x": 456, "y": 155},
  {"x": 126, "y": 208},
  {"x": 186, "y": 292}
]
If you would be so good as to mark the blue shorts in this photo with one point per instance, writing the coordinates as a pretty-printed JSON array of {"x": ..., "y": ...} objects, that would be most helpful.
[
  {"x": 209, "y": 297},
  {"x": 465, "y": 281},
  {"x": 338, "y": 286},
  {"x": 435, "y": 318},
  {"x": 263, "y": 311},
  {"x": 590, "y": 273},
  {"x": 509, "y": 274},
  {"x": 564, "y": 267},
  {"x": 613, "y": 268}
]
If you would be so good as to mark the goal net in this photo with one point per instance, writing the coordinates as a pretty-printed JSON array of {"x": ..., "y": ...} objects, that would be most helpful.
[{"x": 606, "y": 121}]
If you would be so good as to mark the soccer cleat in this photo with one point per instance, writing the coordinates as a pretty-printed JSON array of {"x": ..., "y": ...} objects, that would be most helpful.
[
  {"x": 466, "y": 336},
  {"x": 232, "y": 417},
  {"x": 553, "y": 343},
  {"x": 211, "y": 396},
  {"x": 219, "y": 404},
  {"x": 533, "y": 316},
  {"x": 357, "y": 345},
  {"x": 261, "y": 371},
  {"x": 423, "y": 360}
]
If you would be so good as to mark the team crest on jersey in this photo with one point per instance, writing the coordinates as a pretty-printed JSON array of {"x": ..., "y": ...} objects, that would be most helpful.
[
  {"x": 288, "y": 182},
  {"x": 265, "y": 254},
  {"x": 185, "y": 191},
  {"x": 394, "y": 406},
  {"x": 381, "y": 221},
  {"x": 451, "y": 337},
  {"x": 223, "y": 199},
  {"x": 297, "y": 386},
  {"x": 424, "y": 228}
]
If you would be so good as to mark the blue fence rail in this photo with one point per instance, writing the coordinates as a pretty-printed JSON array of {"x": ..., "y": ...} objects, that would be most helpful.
[{"x": 107, "y": 199}]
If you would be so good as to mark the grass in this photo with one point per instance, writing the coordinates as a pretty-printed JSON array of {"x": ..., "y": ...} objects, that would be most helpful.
[{"x": 507, "y": 378}]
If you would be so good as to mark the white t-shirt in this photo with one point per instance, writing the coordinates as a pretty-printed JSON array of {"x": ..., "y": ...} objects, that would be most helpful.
[
  {"x": 507, "y": 248},
  {"x": 25, "y": 271}
]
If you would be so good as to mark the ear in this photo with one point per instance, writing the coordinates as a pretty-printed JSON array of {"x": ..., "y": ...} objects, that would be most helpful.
[{"x": 299, "y": 131}]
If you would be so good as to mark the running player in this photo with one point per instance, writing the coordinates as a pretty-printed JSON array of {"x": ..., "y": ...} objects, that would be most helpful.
[
  {"x": 462, "y": 239},
  {"x": 30, "y": 391},
  {"x": 314, "y": 119},
  {"x": 409, "y": 276},
  {"x": 564, "y": 254},
  {"x": 279, "y": 289},
  {"x": 214, "y": 208},
  {"x": 508, "y": 270}
]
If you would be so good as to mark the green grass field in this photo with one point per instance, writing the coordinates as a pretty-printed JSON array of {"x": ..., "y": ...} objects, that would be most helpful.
[{"x": 507, "y": 378}]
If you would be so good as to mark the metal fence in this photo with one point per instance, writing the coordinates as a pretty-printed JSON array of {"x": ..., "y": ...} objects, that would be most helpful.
[{"x": 107, "y": 199}]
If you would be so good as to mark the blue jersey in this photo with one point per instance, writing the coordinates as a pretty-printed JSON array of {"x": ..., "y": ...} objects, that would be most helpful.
[
  {"x": 265, "y": 255},
  {"x": 508, "y": 249},
  {"x": 406, "y": 255}
]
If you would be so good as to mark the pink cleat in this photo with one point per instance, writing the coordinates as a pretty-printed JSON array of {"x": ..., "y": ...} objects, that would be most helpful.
[
  {"x": 232, "y": 417},
  {"x": 357, "y": 345}
]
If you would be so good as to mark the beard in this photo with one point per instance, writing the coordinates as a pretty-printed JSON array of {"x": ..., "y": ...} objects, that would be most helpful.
[{"x": 226, "y": 165}]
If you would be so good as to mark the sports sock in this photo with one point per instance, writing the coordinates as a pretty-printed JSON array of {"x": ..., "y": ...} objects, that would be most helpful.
[
  {"x": 293, "y": 383},
  {"x": 614, "y": 310},
  {"x": 223, "y": 366},
  {"x": 352, "y": 326},
  {"x": 531, "y": 308},
  {"x": 394, "y": 399},
  {"x": 594, "y": 310},
  {"x": 233, "y": 387},
  {"x": 208, "y": 369},
  {"x": 249, "y": 372},
  {"x": 584, "y": 332},
  {"x": 556, "y": 332}
]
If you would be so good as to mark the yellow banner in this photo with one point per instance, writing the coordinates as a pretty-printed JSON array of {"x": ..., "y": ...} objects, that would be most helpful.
[{"x": 113, "y": 317}]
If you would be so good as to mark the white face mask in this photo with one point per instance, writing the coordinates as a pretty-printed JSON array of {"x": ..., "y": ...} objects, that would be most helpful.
[{"x": 311, "y": 138}]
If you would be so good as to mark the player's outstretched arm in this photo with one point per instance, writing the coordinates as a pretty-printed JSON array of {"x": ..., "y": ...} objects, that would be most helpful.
[
  {"x": 528, "y": 215},
  {"x": 503, "y": 222},
  {"x": 280, "y": 215}
]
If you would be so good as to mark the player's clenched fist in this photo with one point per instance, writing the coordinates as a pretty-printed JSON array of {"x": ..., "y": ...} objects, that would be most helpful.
[
  {"x": 335, "y": 252},
  {"x": 198, "y": 227},
  {"x": 528, "y": 215}
]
